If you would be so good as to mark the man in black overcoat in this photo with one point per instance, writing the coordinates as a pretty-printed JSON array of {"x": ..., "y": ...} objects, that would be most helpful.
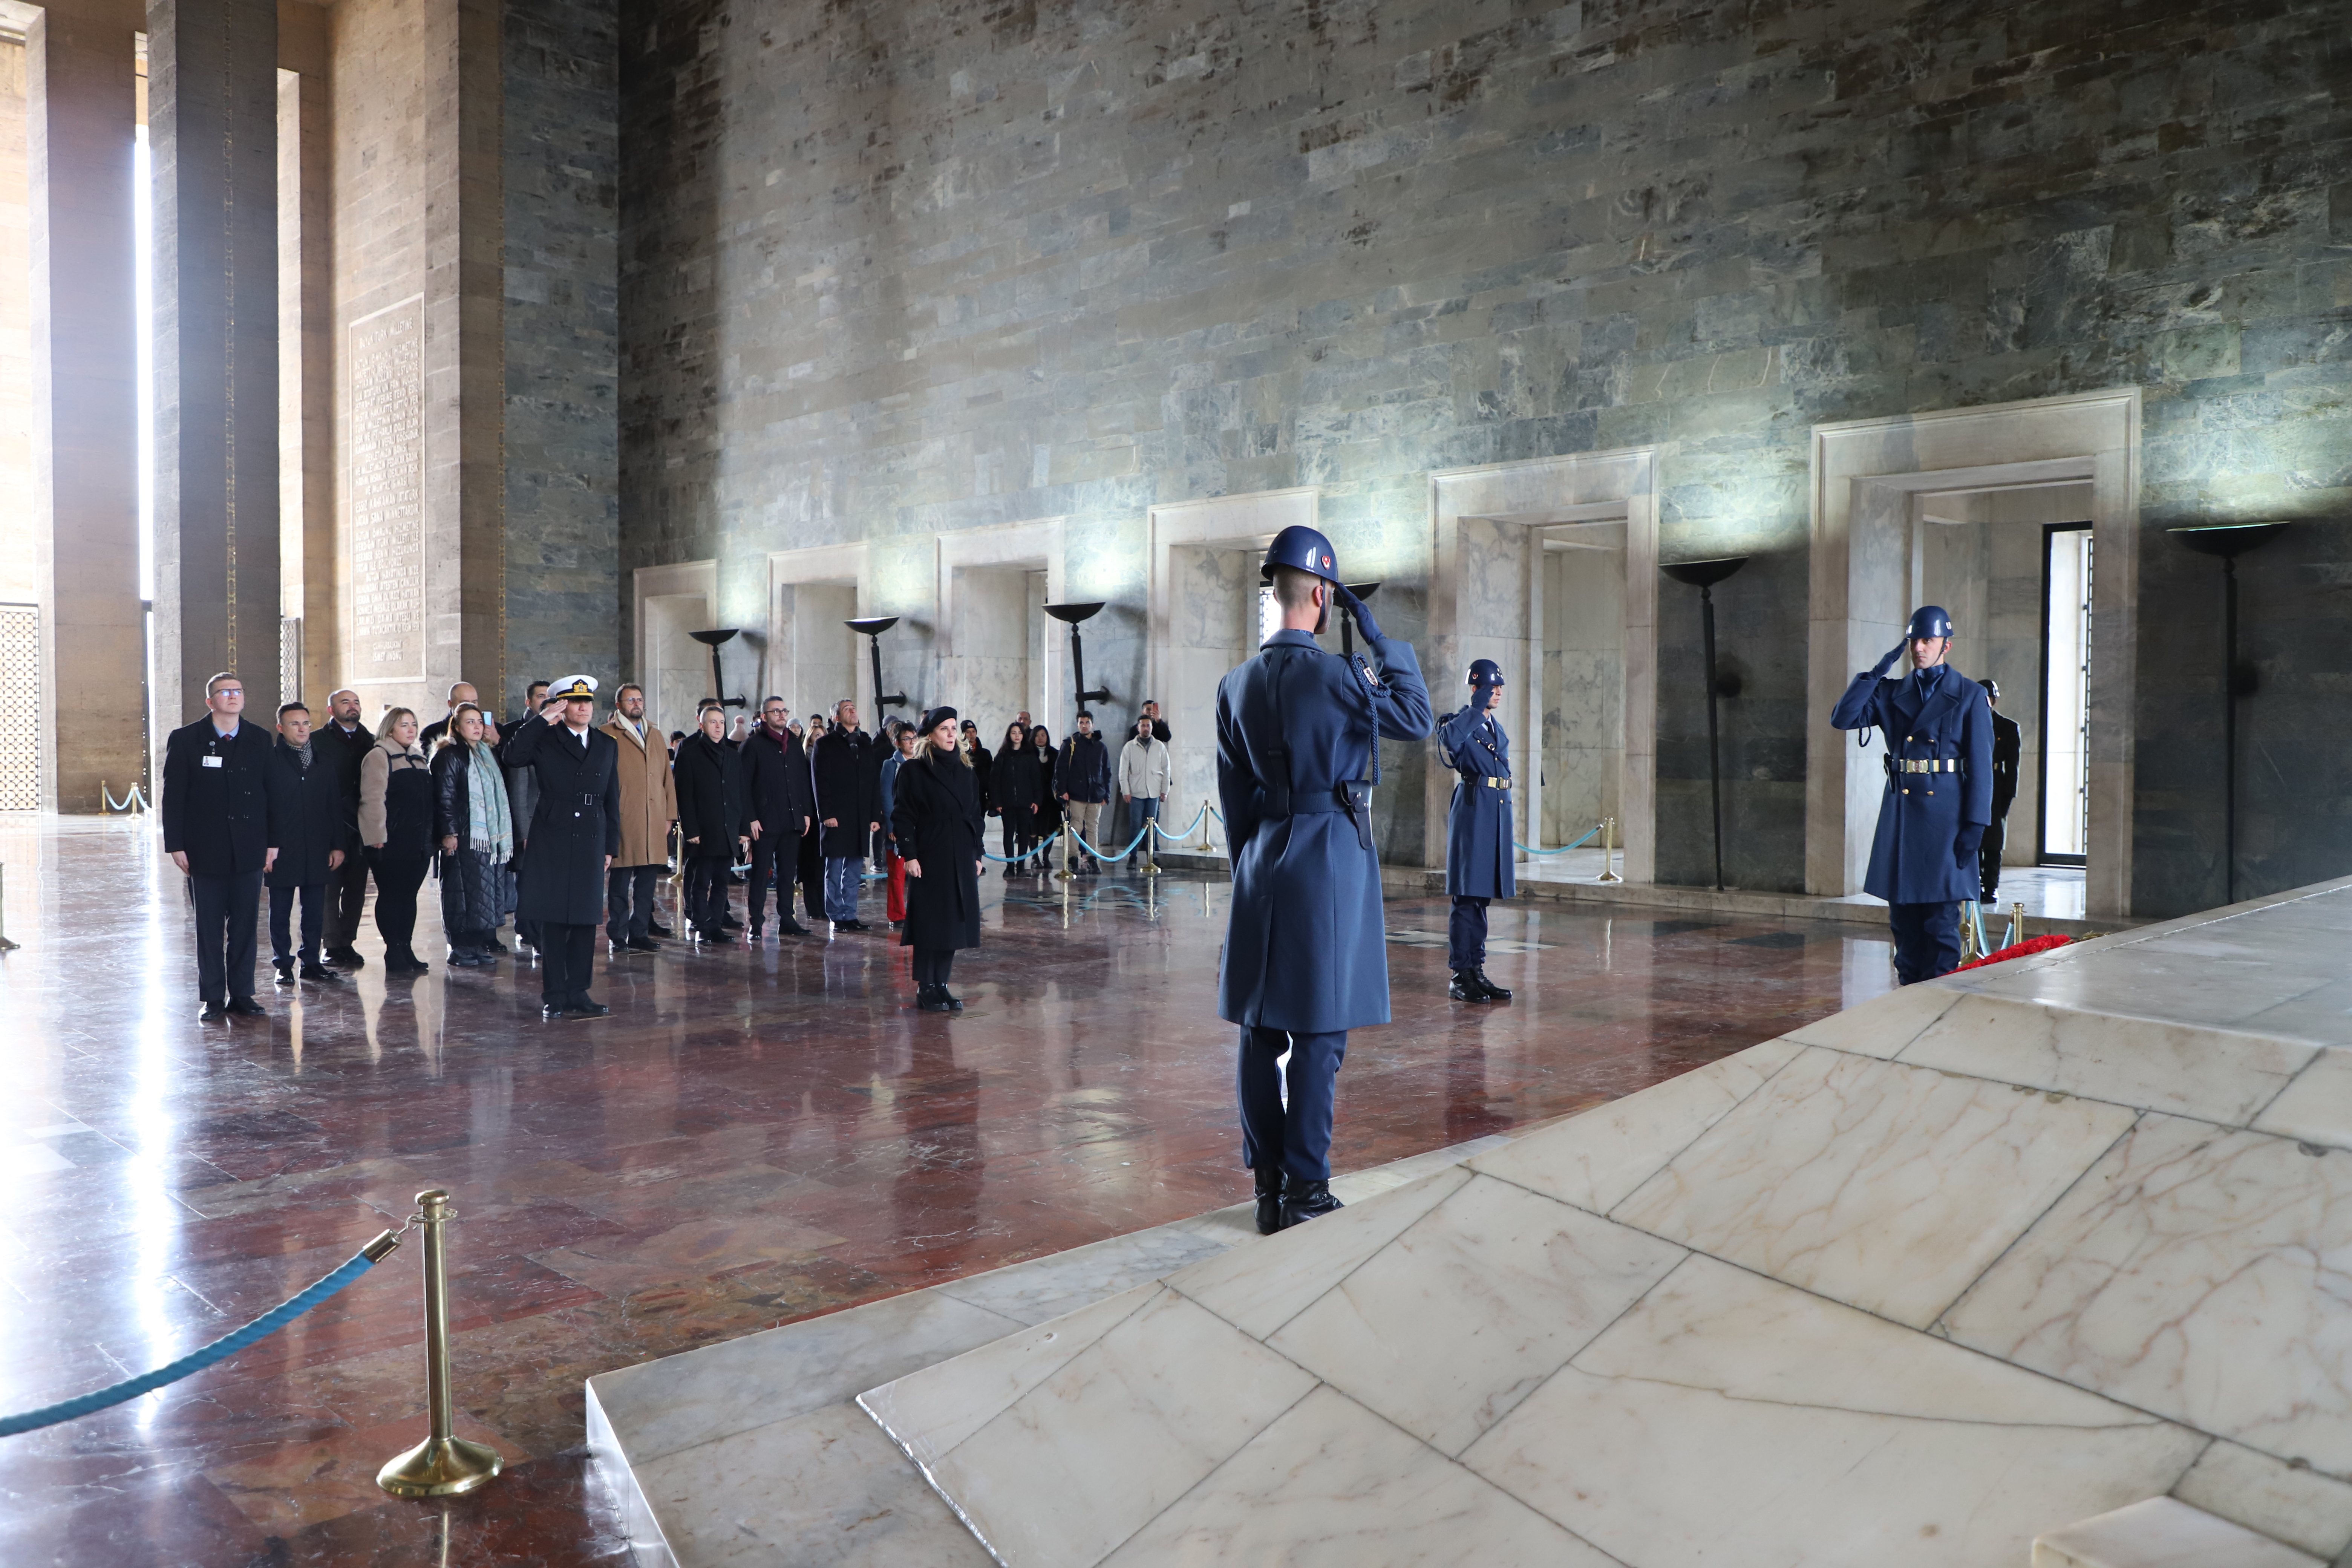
[
  {"x": 314, "y": 835},
  {"x": 215, "y": 811},
  {"x": 783, "y": 810},
  {"x": 575, "y": 831},
  {"x": 2008, "y": 751},
  {"x": 344, "y": 743},
  {"x": 848, "y": 774}
]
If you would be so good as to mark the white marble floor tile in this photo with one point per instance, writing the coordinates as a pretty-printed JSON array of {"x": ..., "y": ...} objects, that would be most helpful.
[
  {"x": 1448, "y": 1327},
  {"x": 2299, "y": 1506},
  {"x": 1887, "y": 1187},
  {"x": 1258, "y": 1289},
  {"x": 1045, "y": 1288},
  {"x": 1594, "y": 1160},
  {"x": 1098, "y": 1450},
  {"x": 1331, "y": 1485},
  {"x": 931, "y": 1411},
  {"x": 2317, "y": 1106},
  {"x": 2133, "y": 983},
  {"x": 2200, "y": 1274},
  {"x": 1881, "y": 1026},
  {"x": 2162, "y": 1533},
  {"x": 1730, "y": 1420},
  {"x": 827, "y": 1489},
  {"x": 659, "y": 1407},
  {"x": 2216, "y": 1074},
  {"x": 2321, "y": 1016}
]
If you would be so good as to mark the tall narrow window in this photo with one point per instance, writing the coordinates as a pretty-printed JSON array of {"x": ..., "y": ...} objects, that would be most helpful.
[
  {"x": 1270, "y": 614},
  {"x": 2065, "y": 791}
]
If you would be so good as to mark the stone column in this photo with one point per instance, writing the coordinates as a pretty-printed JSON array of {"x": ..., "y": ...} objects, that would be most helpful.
[
  {"x": 212, "y": 127},
  {"x": 81, "y": 129}
]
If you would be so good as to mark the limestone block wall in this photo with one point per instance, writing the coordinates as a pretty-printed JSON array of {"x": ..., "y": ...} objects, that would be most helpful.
[{"x": 891, "y": 271}]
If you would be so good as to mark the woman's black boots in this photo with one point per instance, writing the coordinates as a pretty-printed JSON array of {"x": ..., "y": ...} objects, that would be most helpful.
[{"x": 1269, "y": 1199}]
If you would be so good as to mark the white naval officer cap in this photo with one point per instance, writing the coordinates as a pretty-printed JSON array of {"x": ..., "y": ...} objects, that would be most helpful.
[{"x": 573, "y": 688}]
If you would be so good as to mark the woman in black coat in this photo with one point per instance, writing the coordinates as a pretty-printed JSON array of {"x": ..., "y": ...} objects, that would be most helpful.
[
  {"x": 1012, "y": 790},
  {"x": 712, "y": 819},
  {"x": 1049, "y": 805},
  {"x": 472, "y": 820},
  {"x": 936, "y": 818}
]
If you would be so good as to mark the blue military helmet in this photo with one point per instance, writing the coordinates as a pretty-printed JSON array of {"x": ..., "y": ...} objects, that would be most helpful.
[
  {"x": 1929, "y": 621},
  {"x": 1304, "y": 548},
  {"x": 1485, "y": 672}
]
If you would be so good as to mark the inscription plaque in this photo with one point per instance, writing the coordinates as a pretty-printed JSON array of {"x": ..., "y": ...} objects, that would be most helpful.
[{"x": 387, "y": 481}]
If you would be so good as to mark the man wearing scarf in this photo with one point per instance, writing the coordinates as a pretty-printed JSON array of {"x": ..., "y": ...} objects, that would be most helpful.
[{"x": 315, "y": 833}]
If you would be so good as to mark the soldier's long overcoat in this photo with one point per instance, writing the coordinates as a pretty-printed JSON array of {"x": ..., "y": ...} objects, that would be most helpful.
[
  {"x": 1305, "y": 944},
  {"x": 1479, "y": 822},
  {"x": 1945, "y": 717},
  {"x": 576, "y": 826}
]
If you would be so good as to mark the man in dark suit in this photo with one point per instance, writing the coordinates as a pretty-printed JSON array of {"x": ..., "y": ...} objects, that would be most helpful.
[
  {"x": 314, "y": 835},
  {"x": 575, "y": 831},
  {"x": 783, "y": 810},
  {"x": 2008, "y": 749},
  {"x": 522, "y": 801},
  {"x": 215, "y": 811},
  {"x": 847, "y": 767},
  {"x": 344, "y": 743}
]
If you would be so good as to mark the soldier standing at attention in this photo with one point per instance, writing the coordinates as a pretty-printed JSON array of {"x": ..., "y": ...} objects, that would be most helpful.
[
  {"x": 1938, "y": 729},
  {"x": 575, "y": 831},
  {"x": 2008, "y": 749},
  {"x": 1477, "y": 830},
  {"x": 1305, "y": 955}
]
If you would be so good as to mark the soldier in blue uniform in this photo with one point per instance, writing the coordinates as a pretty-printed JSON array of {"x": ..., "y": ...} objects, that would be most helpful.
[
  {"x": 1305, "y": 955},
  {"x": 1477, "y": 830},
  {"x": 1939, "y": 780}
]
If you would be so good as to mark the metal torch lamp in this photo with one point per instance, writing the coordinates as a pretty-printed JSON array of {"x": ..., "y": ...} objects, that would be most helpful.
[
  {"x": 1703, "y": 576},
  {"x": 873, "y": 626},
  {"x": 2226, "y": 541},
  {"x": 1347, "y": 623},
  {"x": 718, "y": 681},
  {"x": 1070, "y": 616}
]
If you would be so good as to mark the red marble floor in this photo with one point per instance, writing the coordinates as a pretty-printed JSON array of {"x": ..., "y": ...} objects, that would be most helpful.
[{"x": 751, "y": 1137}]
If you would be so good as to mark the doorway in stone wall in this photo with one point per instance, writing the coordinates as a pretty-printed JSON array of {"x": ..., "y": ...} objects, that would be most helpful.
[
  {"x": 2062, "y": 780},
  {"x": 1000, "y": 653}
]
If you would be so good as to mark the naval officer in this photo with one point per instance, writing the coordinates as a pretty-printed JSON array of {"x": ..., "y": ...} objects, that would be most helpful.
[
  {"x": 575, "y": 831},
  {"x": 1477, "y": 830},
  {"x": 1305, "y": 958},
  {"x": 1939, "y": 800}
]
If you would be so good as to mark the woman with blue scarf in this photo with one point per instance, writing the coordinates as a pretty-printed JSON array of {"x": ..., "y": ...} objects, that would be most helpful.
[{"x": 470, "y": 818}]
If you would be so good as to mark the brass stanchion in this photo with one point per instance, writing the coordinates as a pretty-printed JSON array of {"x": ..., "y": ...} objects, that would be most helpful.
[
  {"x": 444, "y": 1464},
  {"x": 1972, "y": 946},
  {"x": 1206, "y": 848},
  {"x": 1066, "y": 874},
  {"x": 1608, "y": 850},
  {"x": 2016, "y": 925}
]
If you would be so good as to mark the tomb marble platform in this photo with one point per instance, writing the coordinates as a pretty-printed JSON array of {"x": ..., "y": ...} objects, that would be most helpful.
[{"x": 2040, "y": 1263}]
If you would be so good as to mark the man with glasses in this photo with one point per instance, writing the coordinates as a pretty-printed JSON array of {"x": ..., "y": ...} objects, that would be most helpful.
[
  {"x": 784, "y": 812},
  {"x": 215, "y": 811}
]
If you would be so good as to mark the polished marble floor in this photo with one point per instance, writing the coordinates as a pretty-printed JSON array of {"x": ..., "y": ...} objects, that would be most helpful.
[{"x": 751, "y": 1138}]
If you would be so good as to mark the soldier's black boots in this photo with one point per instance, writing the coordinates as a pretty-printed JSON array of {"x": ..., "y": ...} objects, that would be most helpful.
[
  {"x": 1467, "y": 987},
  {"x": 1494, "y": 991},
  {"x": 1303, "y": 1201},
  {"x": 1269, "y": 1199}
]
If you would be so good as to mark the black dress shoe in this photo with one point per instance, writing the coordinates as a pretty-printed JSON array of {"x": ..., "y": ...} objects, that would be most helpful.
[
  {"x": 213, "y": 1013},
  {"x": 495, "y": 945},
  {"x": 931, "y": 999},
  {"x": 1269, "y": 1199},
  {"x": 1494, "y": 991},
  {"x": 729, "y": 922},
  {"x": 321, "y": 973},
  {"x": 346, "y": 957},
  {"x": 246, "y": 1007},
  {"x": 1303, "y": 1201},
  {"x": 549, "y": 1011},
  {"x": 954, "y": 1002},
  {"x": 790, "y": 927},
  {"x": 585, "y": 1008},
  {"x": 655, "y": 928},
  {"x": 1464, "y": 987},
  {"x": 853, "y": 925},
  {"x": 285, "y": 968},
  {"x": 642, "y": 944}
]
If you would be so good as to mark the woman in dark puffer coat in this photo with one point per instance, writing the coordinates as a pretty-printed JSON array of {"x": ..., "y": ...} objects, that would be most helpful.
[{"x": 475, "y": 829}]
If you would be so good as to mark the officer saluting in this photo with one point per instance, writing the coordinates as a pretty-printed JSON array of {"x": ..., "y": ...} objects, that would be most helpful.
[
  {"x": 1938, "y": 730},
  {"x": 1477, "y": 830},
  {"x": 1306, "y": 956},
  {"x": 575, "y": 831}
]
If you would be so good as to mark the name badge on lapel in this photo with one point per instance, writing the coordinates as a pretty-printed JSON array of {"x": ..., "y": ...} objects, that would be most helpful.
[{"x": 215, "y": 763}]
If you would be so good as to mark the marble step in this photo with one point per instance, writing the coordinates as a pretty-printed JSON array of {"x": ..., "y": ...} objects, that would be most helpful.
[{"x": 2163, "y": 1532}]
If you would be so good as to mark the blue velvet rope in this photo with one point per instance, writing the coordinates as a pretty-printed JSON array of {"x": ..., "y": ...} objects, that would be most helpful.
[
  {"x": 1562, "y": 850},
  {"x": 220, "y": 1349}
]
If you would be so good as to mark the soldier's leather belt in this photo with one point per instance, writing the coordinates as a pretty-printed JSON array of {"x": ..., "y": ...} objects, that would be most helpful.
[{"x": 1937, "y": 765}]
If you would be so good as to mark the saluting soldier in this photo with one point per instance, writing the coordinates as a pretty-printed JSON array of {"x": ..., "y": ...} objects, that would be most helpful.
[
  {"x": 575, "y": 831},
  {"x": 1306, "y": 956},
  {"x": 1477, "y": 830},
  {"x": 1938, "y": 760}
]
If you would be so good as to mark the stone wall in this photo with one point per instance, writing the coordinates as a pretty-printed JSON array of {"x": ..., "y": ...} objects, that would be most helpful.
[{"x": 892, "y": 270}]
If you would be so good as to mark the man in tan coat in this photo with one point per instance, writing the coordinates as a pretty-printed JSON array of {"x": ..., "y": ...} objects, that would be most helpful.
[{"x": 648, "y": 807}]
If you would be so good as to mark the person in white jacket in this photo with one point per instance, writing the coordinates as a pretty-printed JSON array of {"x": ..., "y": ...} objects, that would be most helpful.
[{"x": 1146, "y": 774}]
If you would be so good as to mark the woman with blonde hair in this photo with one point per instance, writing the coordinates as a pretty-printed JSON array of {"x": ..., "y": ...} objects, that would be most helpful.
[
  {"x": 396, "y": 829},
  {"x": 472, "y": 823}
]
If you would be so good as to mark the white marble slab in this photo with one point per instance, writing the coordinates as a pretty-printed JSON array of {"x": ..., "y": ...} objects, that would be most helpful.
[
  {"x": 1134, "y": 1421},
  {"x": 2162, "y": 1533},
  {"x": 1331, "y": 1485},
  {"x": 1886, "y": 1186},
  {"x": 1881, "y": 1026},
  {"x": 2316, "y": 1108},
  {"x": 1445, "y": 1330},
  {"x": 1730, "y": 1419},
  {"x": 2197, "y": 1273},
  {"x": 1595, "y": 1159},
  {"x": 1046, "y": 1288},
  {"x": 2295, "y": 1504}
]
